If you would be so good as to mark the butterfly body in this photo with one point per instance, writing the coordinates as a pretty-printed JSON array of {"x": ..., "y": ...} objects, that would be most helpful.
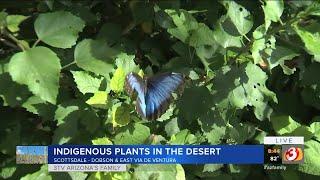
[{"x": 153, "y": 93}]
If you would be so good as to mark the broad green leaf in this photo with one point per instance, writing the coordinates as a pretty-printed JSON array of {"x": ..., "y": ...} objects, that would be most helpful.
[
  {"x": 132, "y": 134},
  {"x": 126, "y": 63},
  {"x": 278, "y": 57},
  {"x": 71, "y": 115},
  {"x": 315, "y": 129},
  {"x": 184, "y": 22},
  {"x": 262, "y": 46},
  {"x": 310, "y": 35},
  {"x": 13, "y": 22},
  {"x": 101, "y": 141},
  {"x": 226, "y": 40},
  {"x": 85, "y": 82},
  {"x": 213, "y": 124},
  {"x": 117, "y": 81},
  {"x": 191, "y": 95},
  {"x": 94, "y": 56},
  {"x": 99, "y": 100},
  {"x": 311, "y": 163},
  {"x": 120, "y": 115},
  {"x": 239, "y": 133},
  {"x": 42, "y": 174},
  {"x": 203, "y": 35},
  {"x": 272, "y": 11},
  {"x": 39, "y": 69},
  {"x": 159, "y": 171},
  {"x": 172, "y": 127},
  {"x": 284, "y": 124},
  {"x": 7, "y": 172},
  {"x": 240, "y": 17},
  {"x": 58, "y": 29},
  {"x": 183, "y": 137},
  {"x": 13, "y": 94},
  {"x": 38, "y": 106},
  {"x": 243, "y": 86}
]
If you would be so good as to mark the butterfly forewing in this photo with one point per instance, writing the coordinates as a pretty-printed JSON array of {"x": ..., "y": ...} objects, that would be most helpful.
[
  {"x": 135, "y": 84},
  {"x": 154, "y": 93},
  {"x": 159, "y": 93}
]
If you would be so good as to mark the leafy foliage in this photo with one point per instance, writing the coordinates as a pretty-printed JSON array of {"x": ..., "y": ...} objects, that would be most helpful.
[{"x": 251, "y": 70}]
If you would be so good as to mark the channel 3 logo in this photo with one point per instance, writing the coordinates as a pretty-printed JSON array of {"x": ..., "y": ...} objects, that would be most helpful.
[{"x": 292, "y": 154}]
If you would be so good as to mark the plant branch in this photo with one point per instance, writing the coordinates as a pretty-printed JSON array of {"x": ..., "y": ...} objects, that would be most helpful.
[
  {"x": 35, "y": 43},
  {"x": 10, "y": 44},
  {"x": 68, "y": 65},
  {"x": 14, "y": 39}
]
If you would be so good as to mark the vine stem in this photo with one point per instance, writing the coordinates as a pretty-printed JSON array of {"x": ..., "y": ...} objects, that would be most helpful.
[
  {"x": 17, "y": 41},
  {"x": 68, "y": 65},
  {"x": 35, "y": 43},
  {"x": 8, "y": 43}
]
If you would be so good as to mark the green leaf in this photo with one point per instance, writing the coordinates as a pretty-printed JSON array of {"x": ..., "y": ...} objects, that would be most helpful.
[
  {"x": 120, "y": 114},
  {"x": 284, "y": 124},
  {"x": 85, "y": 82},
  {"x": 101, "y": 141},
  {"x": 71, "y": 115},
  {"x": 310, "y": 36},
  {"x": 278, "y": 57},
  {"x": 132, "y": 134},
  {"x": 39, "y": 69},
  {"x": 272, "y": 11},
  {"x": 184, "y": 22},
  {"x": 159, "y": 171},
  {"x": 13, "y": 22},
  {"x": 7, "y": 172},
  {"x": 224, "y": 39},
  {"x": 94, "y": 56},
  {"x": 117, "y": 81},
  {"x": 315, "y": 128},
  {"x": 213, "y": 124},
  {"x": 239, "y": 133},
  {"x": 38, "y": 106},
  {"x": 262, "y": 46},
  {"x": 203, "y": 35},
  {"x": 58, "y": 29},
  {"x": 243, "y": 86},
  {"x": 183, "y": 137},
  {"x": 12, "y": 93},
  {"x": 126, "y": 63},
  {"x": 42, "y": 174},
  {"x": 240, "y": 17},
  {"x": 311, "y": 163},
  {"x": 99, "y": 100},
  {"x": 172, "y": 127}
]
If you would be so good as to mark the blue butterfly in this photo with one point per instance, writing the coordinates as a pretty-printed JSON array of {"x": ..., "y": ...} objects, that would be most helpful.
[{"x": 154, "y": 93}]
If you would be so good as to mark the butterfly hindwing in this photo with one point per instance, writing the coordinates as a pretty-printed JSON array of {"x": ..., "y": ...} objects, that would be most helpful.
[
  {"x": 159, "y": 93},
  {"x": 134, "y": 83}
]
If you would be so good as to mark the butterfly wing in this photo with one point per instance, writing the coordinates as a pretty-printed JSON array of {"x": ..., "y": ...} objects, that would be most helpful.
[
  {"x": 159, "y": 93},
  {"x": 135, "y": 84}
]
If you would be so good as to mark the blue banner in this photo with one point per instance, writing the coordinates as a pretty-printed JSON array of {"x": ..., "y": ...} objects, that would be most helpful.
[{"x": 155, "y": 154}]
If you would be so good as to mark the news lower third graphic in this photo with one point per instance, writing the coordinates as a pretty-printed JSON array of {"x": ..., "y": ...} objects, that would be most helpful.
[
  {"x": 280, "y": 151},
  {"x": 275, "y": 154}
]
